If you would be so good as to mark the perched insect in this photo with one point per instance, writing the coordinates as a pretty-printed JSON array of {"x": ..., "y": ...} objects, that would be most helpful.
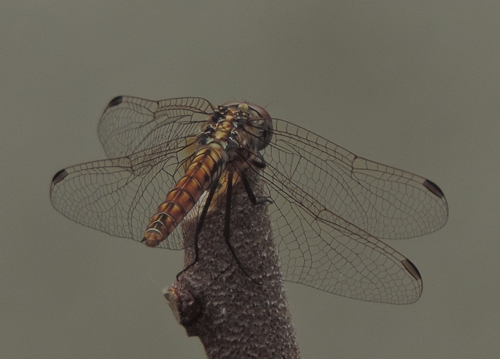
[{"x": 328, "y": 206}]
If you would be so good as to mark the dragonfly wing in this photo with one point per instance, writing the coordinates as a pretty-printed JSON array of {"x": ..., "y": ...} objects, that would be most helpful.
[
  {"x": 117, "y": 196},
  {"x": 384, "y": 201},
  {"x": 132, "y": 124},
  {"x": 320, "y": 249},
  {"x": 329, "y": 207}
]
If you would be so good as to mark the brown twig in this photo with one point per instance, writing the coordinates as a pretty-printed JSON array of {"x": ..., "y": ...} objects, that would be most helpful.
[{"x": 235, "y": 316}]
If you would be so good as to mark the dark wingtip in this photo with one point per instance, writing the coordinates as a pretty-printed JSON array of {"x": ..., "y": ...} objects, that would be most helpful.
[
  {"x": 411, "y": 268},
  {"x": 434, "y": 188},
  {"x": 59, "y": 176},
  {"x": 116, "y": 101}
]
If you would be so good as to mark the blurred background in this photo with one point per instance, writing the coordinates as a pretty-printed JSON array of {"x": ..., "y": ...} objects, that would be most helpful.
[{"x": 415, "y": 85}]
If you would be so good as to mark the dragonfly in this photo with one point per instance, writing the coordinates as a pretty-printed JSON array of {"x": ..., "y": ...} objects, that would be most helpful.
[{"x": 329, "y": 207}]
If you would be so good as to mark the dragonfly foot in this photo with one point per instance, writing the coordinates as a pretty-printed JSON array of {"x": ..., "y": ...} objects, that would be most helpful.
[{"x": 262, "y": 200}]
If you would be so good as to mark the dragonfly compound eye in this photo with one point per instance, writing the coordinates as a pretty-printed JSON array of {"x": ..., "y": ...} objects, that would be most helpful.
[
  {"x": 262, "y": 120},
  {"x": 260, "y": 123}
]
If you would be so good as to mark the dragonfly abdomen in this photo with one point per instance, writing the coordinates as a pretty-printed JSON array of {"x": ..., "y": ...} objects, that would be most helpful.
[{"x": 206, "y": 167}]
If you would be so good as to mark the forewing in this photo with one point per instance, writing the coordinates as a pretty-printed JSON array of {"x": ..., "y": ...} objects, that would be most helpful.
[
  {"x": 132, "y": 124},
  {"x": 118, "y": 196},
  {"x": 381, "y": 200}
]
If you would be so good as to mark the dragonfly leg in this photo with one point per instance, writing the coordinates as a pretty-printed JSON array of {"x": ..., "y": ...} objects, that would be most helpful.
[
  {"x": 199, "y": 225},
  {"x": 227, "y": 222},
  {"x": 251, "y": 195}
]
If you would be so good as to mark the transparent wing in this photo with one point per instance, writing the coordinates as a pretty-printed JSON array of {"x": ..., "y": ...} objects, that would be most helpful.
[
  {"x": 132, "y": 124},
  {"x": 118, "y": 196},
  {"x": 147, "y": 142},
  {"x": 328, "y": 206},
  {"x": 335, "y": 256},
  {"x": 384, "y": 201}
]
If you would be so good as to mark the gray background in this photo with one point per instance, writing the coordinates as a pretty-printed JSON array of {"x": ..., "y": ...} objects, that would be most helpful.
[{"x": 415, "y": 85}]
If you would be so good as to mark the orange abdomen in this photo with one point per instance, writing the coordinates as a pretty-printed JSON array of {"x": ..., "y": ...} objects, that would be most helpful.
[{"x": 205, "y": 168}]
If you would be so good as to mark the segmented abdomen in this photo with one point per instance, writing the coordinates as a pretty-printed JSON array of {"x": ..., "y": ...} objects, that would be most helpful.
[{"x": 206, "y": 167}]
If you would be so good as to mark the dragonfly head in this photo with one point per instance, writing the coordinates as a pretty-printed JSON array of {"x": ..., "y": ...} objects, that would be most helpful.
[{"x": 259, "y": 123}]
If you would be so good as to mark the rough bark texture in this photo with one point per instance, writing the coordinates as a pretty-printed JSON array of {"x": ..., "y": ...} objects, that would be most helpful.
[{"x": 234, "y": 316}]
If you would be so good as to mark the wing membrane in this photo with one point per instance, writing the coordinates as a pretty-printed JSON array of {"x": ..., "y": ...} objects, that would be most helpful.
[
  {"x": 118, "y": 196},
  {"x": 132, "y": 124},
  {"x": 381, "y": 200},
  {"x": 320, "y": 249}
]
